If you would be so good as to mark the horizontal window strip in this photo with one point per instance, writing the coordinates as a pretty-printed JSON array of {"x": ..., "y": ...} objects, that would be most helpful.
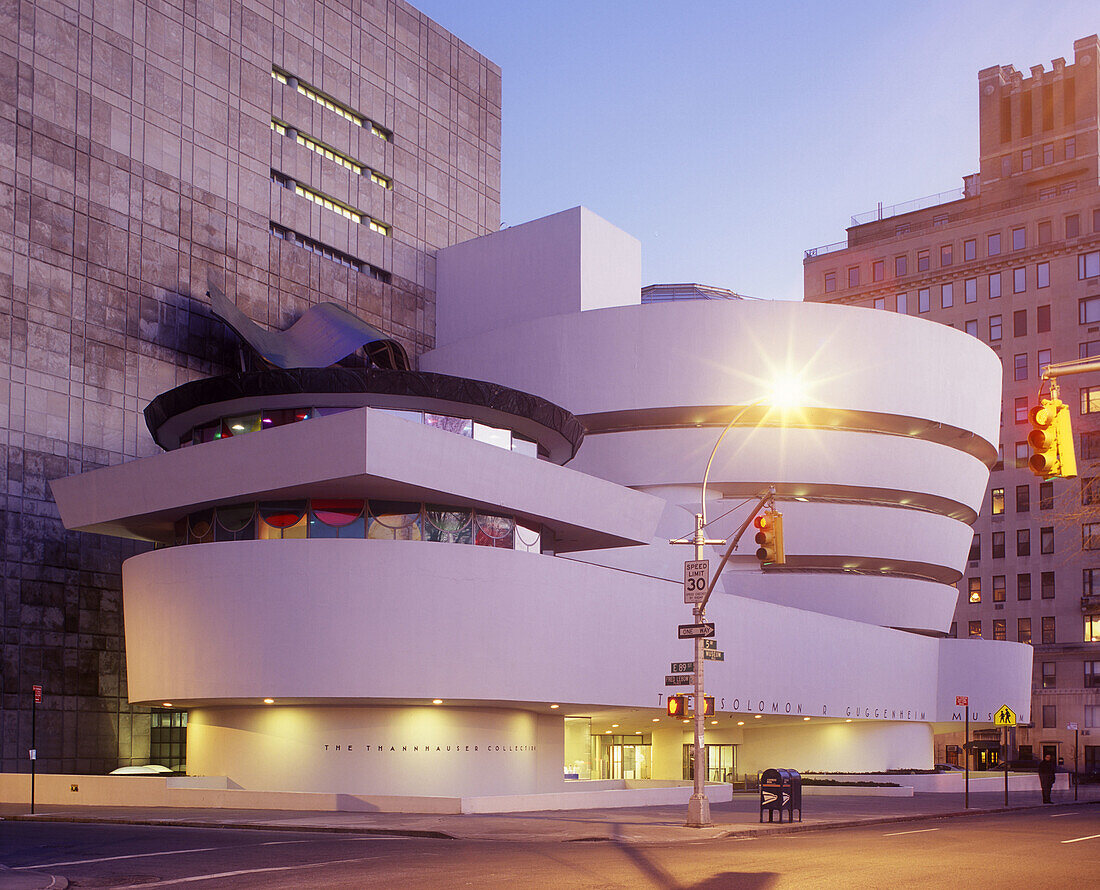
[
  {"x": 328, "y": 202},
  {"x": 330, "y": 103},
  {"x": 327, "y": 151},
  {"x": 330, "y": 253}
]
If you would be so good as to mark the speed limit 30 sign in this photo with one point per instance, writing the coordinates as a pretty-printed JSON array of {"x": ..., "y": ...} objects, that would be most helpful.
[{"x": 696, "y": 580}]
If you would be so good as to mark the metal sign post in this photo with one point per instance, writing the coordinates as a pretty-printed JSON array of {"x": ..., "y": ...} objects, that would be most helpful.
[
  {"x": 964, "y": 700},
  {"x": 1005, "y": 717},
  {"x": 1076, "y": 777},
  {"x": 33, "y": 753}
]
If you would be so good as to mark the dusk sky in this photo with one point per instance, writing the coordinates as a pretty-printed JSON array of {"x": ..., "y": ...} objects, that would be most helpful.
[{"x": 729, "y": 137}]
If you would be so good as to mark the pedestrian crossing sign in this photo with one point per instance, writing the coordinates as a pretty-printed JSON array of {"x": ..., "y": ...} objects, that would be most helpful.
[{"x": 1005, "y": 716}]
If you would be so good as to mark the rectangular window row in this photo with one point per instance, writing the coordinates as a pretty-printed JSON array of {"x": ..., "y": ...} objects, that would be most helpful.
[
  {"x": 327, "y": 151},
  {"x": 1043, "y": 155},
  {"x": 328, "y": 202},
  {"x": 330, "y": 253},
  {"x": 1023, "y": 629},
  {"x": 1023, "y": 587},
  {"x": 332, "y": 104}
]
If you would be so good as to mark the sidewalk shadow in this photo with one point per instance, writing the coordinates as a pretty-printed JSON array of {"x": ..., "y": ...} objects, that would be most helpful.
[{"x": 727, "y": 880}]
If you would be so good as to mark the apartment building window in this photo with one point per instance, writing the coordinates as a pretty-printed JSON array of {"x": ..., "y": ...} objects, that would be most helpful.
[
  {"x": 975, "y": 548},
  {"x": 974, "y": 590},
  {"x": 1046, "y": 495},
  {"x": 1019, "y": 323},
  {"x": 947, "y": 295},
  {"x": 1019, "y": 366},
  {"x": 1069, "y": 148},
  {"x": 1090, "y": 399},
  {"x": 1088, "y": 310},
  {"x": 1046, "y": 540},
  {"x": 940, "y": 219},
  {"x": 879, "y": 303},
  {"x": 901, "y": 266},
  {"x": 1023, "y": 587},
  {"x": 1019, "y": 281},
  {"x": 1023, "y": 492},
  {"x": 993, "y": 244},
  {"x": 1090, "y": 494},
  {"x": 923, "y": 301},
  {"x": 994, "y": 328},
  {"x": 1096, "y": 221},
  {"x": 1088, "y": 265},
  {"x": 903, "y": 304},
  {"x": 1022, "y": 456},
  {"x": 1042, "y": 319},
  {"x": 971, "y": 327},
  {"x": 970, "y": 290},
  {"x": 1048, "y": 629},
  {"x": 994, "y": 285},
  {"x": 1090, "y": 535},
  {"x": 924, "y": 260},
  {"x": 1048, "y": 153},
  {"x": 1090, "y": 582},
  {"x": 974, "y": 628},
  {"x": 997, "y": 499},
  {"x": 998, "y": 628},
  {"x": 970, "y": 249},
  {"x": 1050, "y": 714},
  {"x": 1020, "y": 406},
  {"x": 1092, "y": 674},
  {"x": 1090, "y": 449},
  {"x": 1092, "y": 628},
  {"x": 997, "y": 544},
  {"x": 1006, "y": 163},
  {"x": 1025, "y": 159},
  {"x": 1023, "y": 542},
  {"x": 878, "y": 270},
  {"x": 1019, "y": 238},
  {"x": 1042, "y": 360},
  {"x": 1046, "y": 586},
  {"x": 1049, "y": 677},
  {"x": 1045, "y": 194},
  {"x": 1045, "y": 232},
  {"x": 830, "y": 282},
  {"x": 1023, "y": 630},
  {"x": 853, "y": 276},
  {"x": 946, "y": 254},
  {"x": 1073, "y": 225},
  {"x": 902, "y": 229},
  {"x": 998, "y": 588},
  {"x": 1042, "y": 275}
]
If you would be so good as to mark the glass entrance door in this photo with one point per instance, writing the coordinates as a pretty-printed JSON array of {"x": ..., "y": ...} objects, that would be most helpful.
[{"x": 721, "y": 761}]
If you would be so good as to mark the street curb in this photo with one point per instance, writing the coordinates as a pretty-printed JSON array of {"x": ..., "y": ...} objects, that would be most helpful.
[{"x": 26, "y": 880}]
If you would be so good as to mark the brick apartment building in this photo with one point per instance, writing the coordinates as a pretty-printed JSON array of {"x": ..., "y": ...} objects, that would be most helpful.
[{"x": 1013, "y": 258}]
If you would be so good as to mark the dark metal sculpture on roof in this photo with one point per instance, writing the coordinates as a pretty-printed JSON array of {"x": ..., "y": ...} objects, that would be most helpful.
[{"x": 323, "y": 335}]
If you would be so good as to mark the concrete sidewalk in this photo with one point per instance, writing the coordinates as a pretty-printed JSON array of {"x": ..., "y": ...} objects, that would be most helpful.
[{"x": 641, "y": 825}]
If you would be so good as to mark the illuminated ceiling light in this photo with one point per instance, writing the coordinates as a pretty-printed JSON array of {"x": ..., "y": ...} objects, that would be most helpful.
[
  {"x": 637, "y": 732},
  {"x": 740, "y": 722},
  {"x": 757, "y": 716},
  {"x": 238, "y": 427},
  {"x": 614, "y": 725},
  {"x": 437, "y": 701},
  {"x": 806, "y": 718},
  {"x": 607, "y": 732},
  {"x": 686, "y": 721},
  {"x": 849, "y": 720},
  {"x": 713, "y": 722},
  {"x": 554, "y": 707},
  {"x": 269, "y": 701},
  {"x": 166, "y": 704}
]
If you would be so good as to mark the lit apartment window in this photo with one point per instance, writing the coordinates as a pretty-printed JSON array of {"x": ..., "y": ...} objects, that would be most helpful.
[
  {"x": 326, "y": 101},
  {"x": 903, "y": 304},
  {"x": 853, "y": 276},
  {"x": 994, "y": 285},
  {"x": 974, "y": 628},
  {"x": 1048, "y": 153},
  {"x": 974, "y": 588},
  {"x": 1046, "y": 540},
  {"x": 993, "y": 244},
  {"x": 1046, "y": 586},
  {"x": 1023, "y": 542},
  {"x": 1019, "y": 366},
  {"x": 1023, "y": 492},
  {"x": 1023, "y": 630},
  {"x": 970, "y": 249},
  {"x": 1088, "y": 265},
  {"x": 1023, "y": 587},
  {"x": 901, "y": 266},
  {"x": 1090, "y": 535},
  {"x": 1090, "y": 399},
  {"x": 998, "y": 588},
  {"x": 972, "y": 327},
  {"x": 924, "y": 260},
  {"x": 946, "y": 254},
  {"x": 994, "y": 328},
  {"x": 830, "y": 282},
  {"x": 1070, "y": 147},
  {"x": 947, "y": 295},
  {"x": 1046, "y": 495},
  {"x": 997, "y": 541},
  {"x": 1049, "y": 676},
  {"x": 1048, "y": 631},
  {"x": 1045, "y": 232},
  {"x": 1088, "y": 310},
  {"x": 1092, "y": 629},
  {"x": 1019, "y": 323},
  {"x": 923, "y": 303},
  {"x": 1073, "y": 225},
  {"x": 998, "y": 628},
  {"x": 1020, "y": 406},
  {"x": 878, "y": 270},
  {"x": 1025, "y": 159},
  {"x": 970, "y": 290},
  {"x": 997, "y": 500},
  {"x": 1042, "y": 319},
  {"x": 1019, "y": 281},
  {"x": 1042, "y": 275}
]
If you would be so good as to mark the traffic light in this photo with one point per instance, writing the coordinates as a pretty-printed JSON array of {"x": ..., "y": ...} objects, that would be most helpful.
[
  {"x": 769, "y": 535},
  {"x": 1051, "y": 440},
  {"x": 677, "y": 705},
  {"x": 708, "y": 705}
]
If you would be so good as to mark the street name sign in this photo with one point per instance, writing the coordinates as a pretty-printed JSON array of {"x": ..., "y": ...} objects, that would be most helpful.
[
  {"x": 682, "y": 667},
  {"x": 679, "y": 679},
  {"x": 1072, "y": 726},
  {"x": 710, "y": 644},
  {"x": 713, "y": 655},
  {"x": 696, "y": 580},
  {"x": 1005, "y": 716},
  {"x": 691, "y": 631},
  {"x": 961, "y": 701}
]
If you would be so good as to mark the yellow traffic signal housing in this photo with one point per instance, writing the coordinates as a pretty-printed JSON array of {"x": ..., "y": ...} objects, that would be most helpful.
[
  {"x": 708, "y": 705},
  {"x": 677, "y": 705},
  {"x": 1051, "y": 440},
  {"x": 769, "y": 535}
]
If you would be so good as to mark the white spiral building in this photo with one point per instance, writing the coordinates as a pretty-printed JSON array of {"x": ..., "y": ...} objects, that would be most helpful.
[{"x": 400, "y": 658}]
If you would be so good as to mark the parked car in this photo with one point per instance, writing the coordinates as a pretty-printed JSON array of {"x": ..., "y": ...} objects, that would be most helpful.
[{"x": 946, "y": 767}]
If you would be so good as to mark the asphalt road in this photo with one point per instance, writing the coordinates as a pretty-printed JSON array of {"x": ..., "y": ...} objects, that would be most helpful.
[{"x": 1054, "y": 847}]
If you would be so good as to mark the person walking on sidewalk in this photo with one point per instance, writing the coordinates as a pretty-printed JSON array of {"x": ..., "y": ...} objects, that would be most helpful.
[{"x": 1046, "y": 776}]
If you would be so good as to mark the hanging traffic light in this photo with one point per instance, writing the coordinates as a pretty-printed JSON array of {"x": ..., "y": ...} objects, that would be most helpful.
[
  {"x": 677, "y": 705},
  {"x": 1051, "y": 440},
  {"x": 769, "y": 535}
]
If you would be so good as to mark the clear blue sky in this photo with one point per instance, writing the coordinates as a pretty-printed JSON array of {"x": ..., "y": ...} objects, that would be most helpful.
[{"x": 728, "y": 137}]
